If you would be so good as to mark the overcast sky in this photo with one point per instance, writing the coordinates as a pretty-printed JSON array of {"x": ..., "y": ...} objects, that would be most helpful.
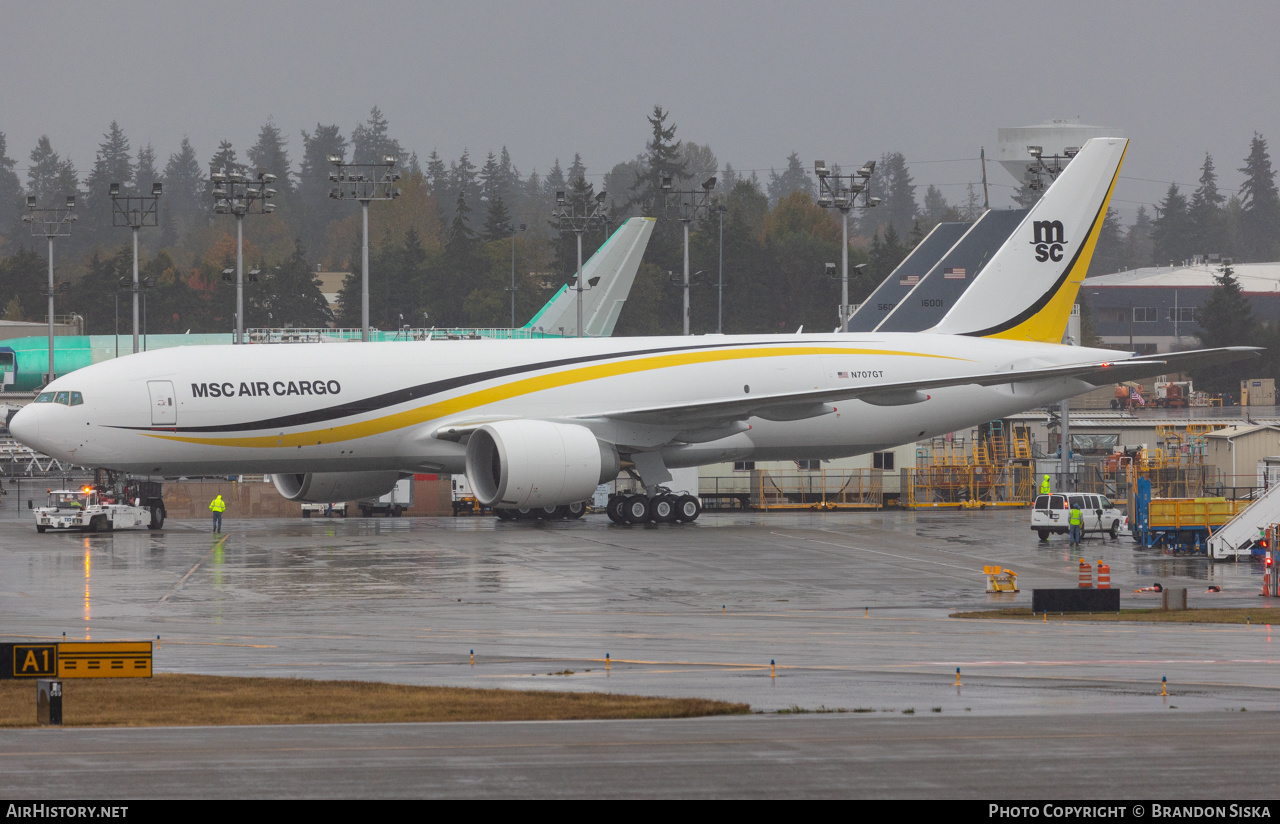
[{"x": 842, "y": 81}]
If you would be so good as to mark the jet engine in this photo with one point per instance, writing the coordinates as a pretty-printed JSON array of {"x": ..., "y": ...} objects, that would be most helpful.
[
  {"x": 522, "y": 464},
  {"x": 326, "y": 487}
]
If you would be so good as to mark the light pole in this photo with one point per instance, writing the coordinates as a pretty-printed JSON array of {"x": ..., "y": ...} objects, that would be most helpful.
[
  {"x": 568, "y": 216},
  {"x": 684, "y": 283},
  {"x": 364, "y": 182},
  {"x": 692, "y": 203},
  {"x": 720, "y": 287},
  {"x": 841, "y": 192},
  {"x": 1036, "y": 171},
  {"x": 514, "y": 228},
  {"x": 135, "y": 211},
  {"x": 50, "y": 222},
  {"x": 236, "y": 193}
]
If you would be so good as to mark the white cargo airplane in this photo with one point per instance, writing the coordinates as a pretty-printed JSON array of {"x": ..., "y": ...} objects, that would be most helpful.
[{"x": 541, "y": 423}]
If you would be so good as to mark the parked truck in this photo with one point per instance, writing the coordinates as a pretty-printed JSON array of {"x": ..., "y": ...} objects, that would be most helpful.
[{"x": 1173, "y": 394}]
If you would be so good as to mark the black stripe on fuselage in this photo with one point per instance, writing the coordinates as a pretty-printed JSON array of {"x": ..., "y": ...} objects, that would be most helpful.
[{"x": 388, "y": 399}]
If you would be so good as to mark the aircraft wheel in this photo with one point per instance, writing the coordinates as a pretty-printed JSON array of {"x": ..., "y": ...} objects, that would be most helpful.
[
  {"x": 664, "y": 509},
  {"x": 636, "y": 509},
  {"x": 576, "y": 510},
  {"x": 525, "y": 514},
  {"x": 503, "y": 513},
  {"x": 617, "y": 509},
  {"x": 688, "y": 508}
]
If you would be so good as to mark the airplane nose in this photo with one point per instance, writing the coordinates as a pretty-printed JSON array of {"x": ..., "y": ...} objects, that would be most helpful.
[{"x": 25, "y": 427}]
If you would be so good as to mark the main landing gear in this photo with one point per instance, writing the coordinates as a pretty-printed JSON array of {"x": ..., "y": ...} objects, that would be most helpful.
[
  {"x": 571, "y": 512},
  {"x": 663, "y": 508}
]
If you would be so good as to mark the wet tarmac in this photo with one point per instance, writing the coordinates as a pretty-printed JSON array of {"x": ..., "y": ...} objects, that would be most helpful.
[{"x": 852, "y": 607}]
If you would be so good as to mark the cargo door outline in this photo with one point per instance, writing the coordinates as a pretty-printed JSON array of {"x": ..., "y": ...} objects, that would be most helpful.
[{"x": 164, "y": 405}]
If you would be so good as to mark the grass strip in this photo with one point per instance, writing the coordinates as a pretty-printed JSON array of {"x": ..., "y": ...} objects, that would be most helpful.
[
  {"x": 1256, "y": 616},
  {"x": 177, "y": 700}
]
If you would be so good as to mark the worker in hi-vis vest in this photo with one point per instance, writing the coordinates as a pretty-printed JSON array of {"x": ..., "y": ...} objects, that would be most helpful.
[
  {"x": 1044, "y": 486},
  {"x": 1076, "y": 521},
  {"x": 217, "y": 506}
]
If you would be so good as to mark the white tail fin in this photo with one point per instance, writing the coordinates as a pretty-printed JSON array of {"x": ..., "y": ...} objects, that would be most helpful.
[
  {"x": 609, "y": 275},
  {"x": 1026, "y": 291}
]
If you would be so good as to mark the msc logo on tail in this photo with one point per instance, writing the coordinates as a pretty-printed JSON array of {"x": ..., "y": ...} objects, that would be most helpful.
[{"x": 1048, "y": 239}]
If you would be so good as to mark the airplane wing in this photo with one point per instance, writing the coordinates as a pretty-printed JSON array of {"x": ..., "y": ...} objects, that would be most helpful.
[{"x": 800, "y": 405}]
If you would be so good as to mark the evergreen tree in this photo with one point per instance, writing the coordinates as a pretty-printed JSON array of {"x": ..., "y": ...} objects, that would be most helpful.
[
  {"x": 371, "y": 141},
  {"x": 293, "y": 293},
  {"x": 319, "y": 210},
  {"x": 1260, "y": 213},
  {"x": 270, "y": 155},
  {"x": 885, "y": 255},
  {"x": 225, "y": 160},
  {"x": 112, "y": 164},
  {"x": 145, "y": 173},
  {"x": 935, "y": 209},
  {"x": 1205, "y": 212},
  {"x": 49, "y": 177},
  {"x": 1226, "y": 319},
  {"x": 184, "y": 194},
  {"x": 793, "y": 179},
  {"x": 661, "y": 160},
  {"x": 1171, "y": 230},
  {"x": 23, "y": 277},
  {"x": 554, "y": 182},
  {"x": 12, "y": 202},
  {"x": 497, "y": 222},
  {"x": 1109, "y": 253},
  {"x": 1138, "y": 248},
  {"x": 489, "y": 180},
  {"x": 892, "y": 183},
  {"x": 577, "y": 170},
  {"x": 437, "y": 176}
]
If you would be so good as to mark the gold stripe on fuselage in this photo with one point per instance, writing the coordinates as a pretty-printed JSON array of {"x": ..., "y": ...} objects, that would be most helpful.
[{"x": 525, "y": 386}]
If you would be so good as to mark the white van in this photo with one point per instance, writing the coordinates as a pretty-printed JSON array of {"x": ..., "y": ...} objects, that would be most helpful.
[{"x": 1051, "y": 511}]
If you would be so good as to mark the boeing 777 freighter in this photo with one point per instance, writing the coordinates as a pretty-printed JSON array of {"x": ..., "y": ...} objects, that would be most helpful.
[{"x": 541, "y": 423}]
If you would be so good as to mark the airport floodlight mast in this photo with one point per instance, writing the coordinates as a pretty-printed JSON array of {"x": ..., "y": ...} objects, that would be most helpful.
[
  {"x": 514, "y": 227},
  {"x": 721, "y": 209},
  {"x": 364, "y": 182},
  {"x": 577, "y": 222},
  {"x": 691, "y": 204},
  {"x": 841, "y": 192},
  {"x": 50, "y": 222},
  {"x": 135, "y": 211},
  {"x": 1037, "y": 170},
  {"x": 235, "y": 193}
]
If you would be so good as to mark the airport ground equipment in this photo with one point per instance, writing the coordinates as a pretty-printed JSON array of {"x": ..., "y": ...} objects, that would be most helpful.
[
  {"x": 1000, "y": 580},
  {"x": 98, "y": 508},
  {"x": 464, "y": 500},
  {"x": 1240, "y": 535},
  {"x": 392, "y": 504},
  {"x": 1180, "y": 526},
  {"x": 329, "y": 510}
]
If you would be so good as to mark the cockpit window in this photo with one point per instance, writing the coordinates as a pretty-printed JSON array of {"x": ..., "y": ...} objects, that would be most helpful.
[
  {"x": 63, "y": 398},
  {"x": 44, "y": 397},
  {"x": 76, "y": 399}
]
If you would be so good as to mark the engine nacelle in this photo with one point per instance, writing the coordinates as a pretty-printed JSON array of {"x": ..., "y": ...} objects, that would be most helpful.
[
  {"x": 523, "y": 464},
  {"x": 328, "y": 487}
]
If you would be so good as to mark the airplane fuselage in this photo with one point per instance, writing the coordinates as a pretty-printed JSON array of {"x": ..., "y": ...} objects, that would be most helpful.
[{"x": 386, "y": 406}]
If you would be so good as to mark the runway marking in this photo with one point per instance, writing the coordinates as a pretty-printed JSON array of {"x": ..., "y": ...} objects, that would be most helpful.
[
  {"x": 217, "y": 545},
  {"x": 871, "y": 736}
]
